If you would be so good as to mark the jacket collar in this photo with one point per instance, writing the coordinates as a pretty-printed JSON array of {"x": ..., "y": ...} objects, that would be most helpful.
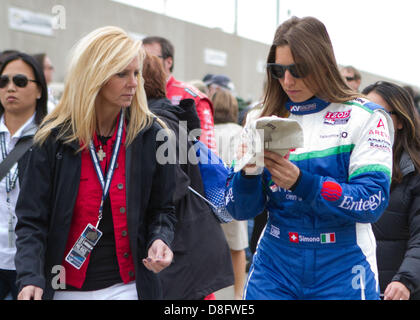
[
  {"x": 185, "y": 111},
  {"x": 312, "y": 105},
  {"x": 29, "y": 128},
  {"x": 406, "y": 164}
]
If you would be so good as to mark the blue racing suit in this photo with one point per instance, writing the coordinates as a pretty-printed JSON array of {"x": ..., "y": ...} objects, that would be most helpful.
[{"x": 318, "y": 242}]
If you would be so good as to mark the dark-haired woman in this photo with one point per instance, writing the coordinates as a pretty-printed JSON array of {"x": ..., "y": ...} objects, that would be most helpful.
[
  {"x": 322, "y": 198},
  {"x": 23, "y": 105},
  {"x": 398, "y": 230}
]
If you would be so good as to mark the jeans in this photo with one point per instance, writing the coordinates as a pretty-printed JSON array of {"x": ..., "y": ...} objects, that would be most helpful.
[{"x": 8, "y": 284}]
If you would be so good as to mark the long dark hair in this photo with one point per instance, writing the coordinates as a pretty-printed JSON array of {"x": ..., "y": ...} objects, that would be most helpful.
[
  {"x": 311, "y": 47},
  {"x": 41, "y": 103},
  {"x": 408, "y": 137},
  {"x": 154, "y": 77}
]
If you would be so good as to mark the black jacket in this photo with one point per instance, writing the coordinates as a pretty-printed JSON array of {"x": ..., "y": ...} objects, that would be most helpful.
[
  {"x": 397, "y": 233},
  {"x": 47, "y": 198},
  {"x": 202, "y": 262}
]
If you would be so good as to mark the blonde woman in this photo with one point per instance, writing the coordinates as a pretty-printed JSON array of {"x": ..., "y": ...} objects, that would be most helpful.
[
  {"x": 322, "y": 198},
  {"x": 96, "y": 203}
]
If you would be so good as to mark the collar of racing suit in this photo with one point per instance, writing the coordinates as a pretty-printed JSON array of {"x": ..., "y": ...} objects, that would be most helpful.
[{"x": 311, "y": 105}]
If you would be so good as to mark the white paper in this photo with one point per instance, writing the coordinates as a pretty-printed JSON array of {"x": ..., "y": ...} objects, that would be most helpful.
[{"x": 273, "y": 133}]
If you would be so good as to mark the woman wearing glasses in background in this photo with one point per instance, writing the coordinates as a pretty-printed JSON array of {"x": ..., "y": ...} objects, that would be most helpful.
[
  {"x": 23, "y": 105},
  {"x": 321, "y": 199},
  {"x": 398, "y": 230}
]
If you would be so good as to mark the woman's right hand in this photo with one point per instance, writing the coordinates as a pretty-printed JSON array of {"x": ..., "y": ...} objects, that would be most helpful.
[{"x": 30, "y": 293}]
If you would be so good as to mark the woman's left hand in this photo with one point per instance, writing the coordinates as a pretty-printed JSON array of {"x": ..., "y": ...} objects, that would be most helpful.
[
  {"x": 396, "y": 291},
  {"x": 283, "y": 172},
  {"x": 159, "y": 256}
]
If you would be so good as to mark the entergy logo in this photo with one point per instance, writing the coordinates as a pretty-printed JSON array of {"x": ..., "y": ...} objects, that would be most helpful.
[{"x": 372, "y": 203}]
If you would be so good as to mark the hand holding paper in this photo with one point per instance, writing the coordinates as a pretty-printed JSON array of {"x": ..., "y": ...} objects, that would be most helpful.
[{"x": 273, "y": 133}]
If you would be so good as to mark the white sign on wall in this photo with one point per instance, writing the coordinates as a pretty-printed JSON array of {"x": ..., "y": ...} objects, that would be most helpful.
[
  {"x": 261, "y": 66},
  {"x": 136, "y": 36},
  {"x": 215, "y": 57},
  {"x": 25, "y": 20}
]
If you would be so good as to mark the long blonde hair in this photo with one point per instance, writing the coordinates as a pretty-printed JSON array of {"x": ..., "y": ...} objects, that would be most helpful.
[
  {"x": 311, "y": 47},
  {"x": 95, "y": 59}
]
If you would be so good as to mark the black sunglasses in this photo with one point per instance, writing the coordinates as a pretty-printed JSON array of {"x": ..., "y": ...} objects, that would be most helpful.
[
  {"x": 350, "y": 78},
  {"x": 19, "y": 80},
  {"x": 277, "y": 71}
]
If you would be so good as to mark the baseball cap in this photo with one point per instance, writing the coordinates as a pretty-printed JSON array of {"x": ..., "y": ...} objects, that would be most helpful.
[
  {"x": 207, "y": 77},
  {"x": 222, "y": 81}
]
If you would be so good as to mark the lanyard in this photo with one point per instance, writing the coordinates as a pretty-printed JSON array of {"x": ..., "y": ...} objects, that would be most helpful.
[
  {"x": 11, "y": 177},
  {"x": 105, "y": 184}
]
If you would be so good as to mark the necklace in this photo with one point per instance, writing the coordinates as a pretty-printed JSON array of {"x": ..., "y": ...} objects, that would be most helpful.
[{"x": 101, "y": 154}]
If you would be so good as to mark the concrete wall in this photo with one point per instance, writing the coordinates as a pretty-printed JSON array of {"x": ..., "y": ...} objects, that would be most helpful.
[{"x": 190, "y": 40}]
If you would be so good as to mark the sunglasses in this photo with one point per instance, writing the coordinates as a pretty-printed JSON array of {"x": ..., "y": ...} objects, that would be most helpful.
[
  {"x": 350, "y": 78},
  {"x": 19, "y": 80},
  {"x": 277, "y": 71}
]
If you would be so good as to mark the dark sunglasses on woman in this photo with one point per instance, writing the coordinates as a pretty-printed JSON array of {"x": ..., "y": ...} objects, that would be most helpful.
[
  {"x": 19, "y": 80},
  {"x": 277, "y": 71}
]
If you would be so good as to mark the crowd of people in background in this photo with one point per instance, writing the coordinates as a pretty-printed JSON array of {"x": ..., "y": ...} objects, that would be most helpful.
[{"x": 81, "y": 188}]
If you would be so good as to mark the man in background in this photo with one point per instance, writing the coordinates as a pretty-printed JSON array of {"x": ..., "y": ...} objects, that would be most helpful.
[{"x": 177, "y": 90}]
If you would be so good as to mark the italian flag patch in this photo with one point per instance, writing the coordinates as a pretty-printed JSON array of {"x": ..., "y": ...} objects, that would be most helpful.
[{"x": 328, "y": 237}]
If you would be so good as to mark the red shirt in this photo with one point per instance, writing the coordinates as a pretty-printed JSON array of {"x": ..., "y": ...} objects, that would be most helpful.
[
  {"x": 86, "y": 211},
  {"x": 177, "y": 90}
]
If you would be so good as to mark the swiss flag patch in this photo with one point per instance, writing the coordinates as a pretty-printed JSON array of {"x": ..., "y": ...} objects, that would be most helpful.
[{"x": 294, "y": 237}]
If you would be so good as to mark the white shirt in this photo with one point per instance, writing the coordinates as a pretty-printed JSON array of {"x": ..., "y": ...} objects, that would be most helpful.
[{"x": 7, "y": 253}]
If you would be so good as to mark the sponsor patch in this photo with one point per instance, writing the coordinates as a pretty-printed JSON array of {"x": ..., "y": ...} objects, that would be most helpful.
[
  {"x": 175, "y": 100},
  {"x": 380, "y": 144},
  {"x": 274, "y": 188},
  {"x": 304, "y": 108},
  {"x": 274, "y": 231},
  {"x": 379, "y": 139},
  {"x": 371, "y": 203},
  {"x": 331, "y": 191},
  {"x": 191, "y": 92},
  {"x": 323, "y": 238},
  {"x": 342, "y": 135},
  {"x": 379, "y": 133},
  {"x": 229, "y": 196},
  {"x": 340, "y": 117}
]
